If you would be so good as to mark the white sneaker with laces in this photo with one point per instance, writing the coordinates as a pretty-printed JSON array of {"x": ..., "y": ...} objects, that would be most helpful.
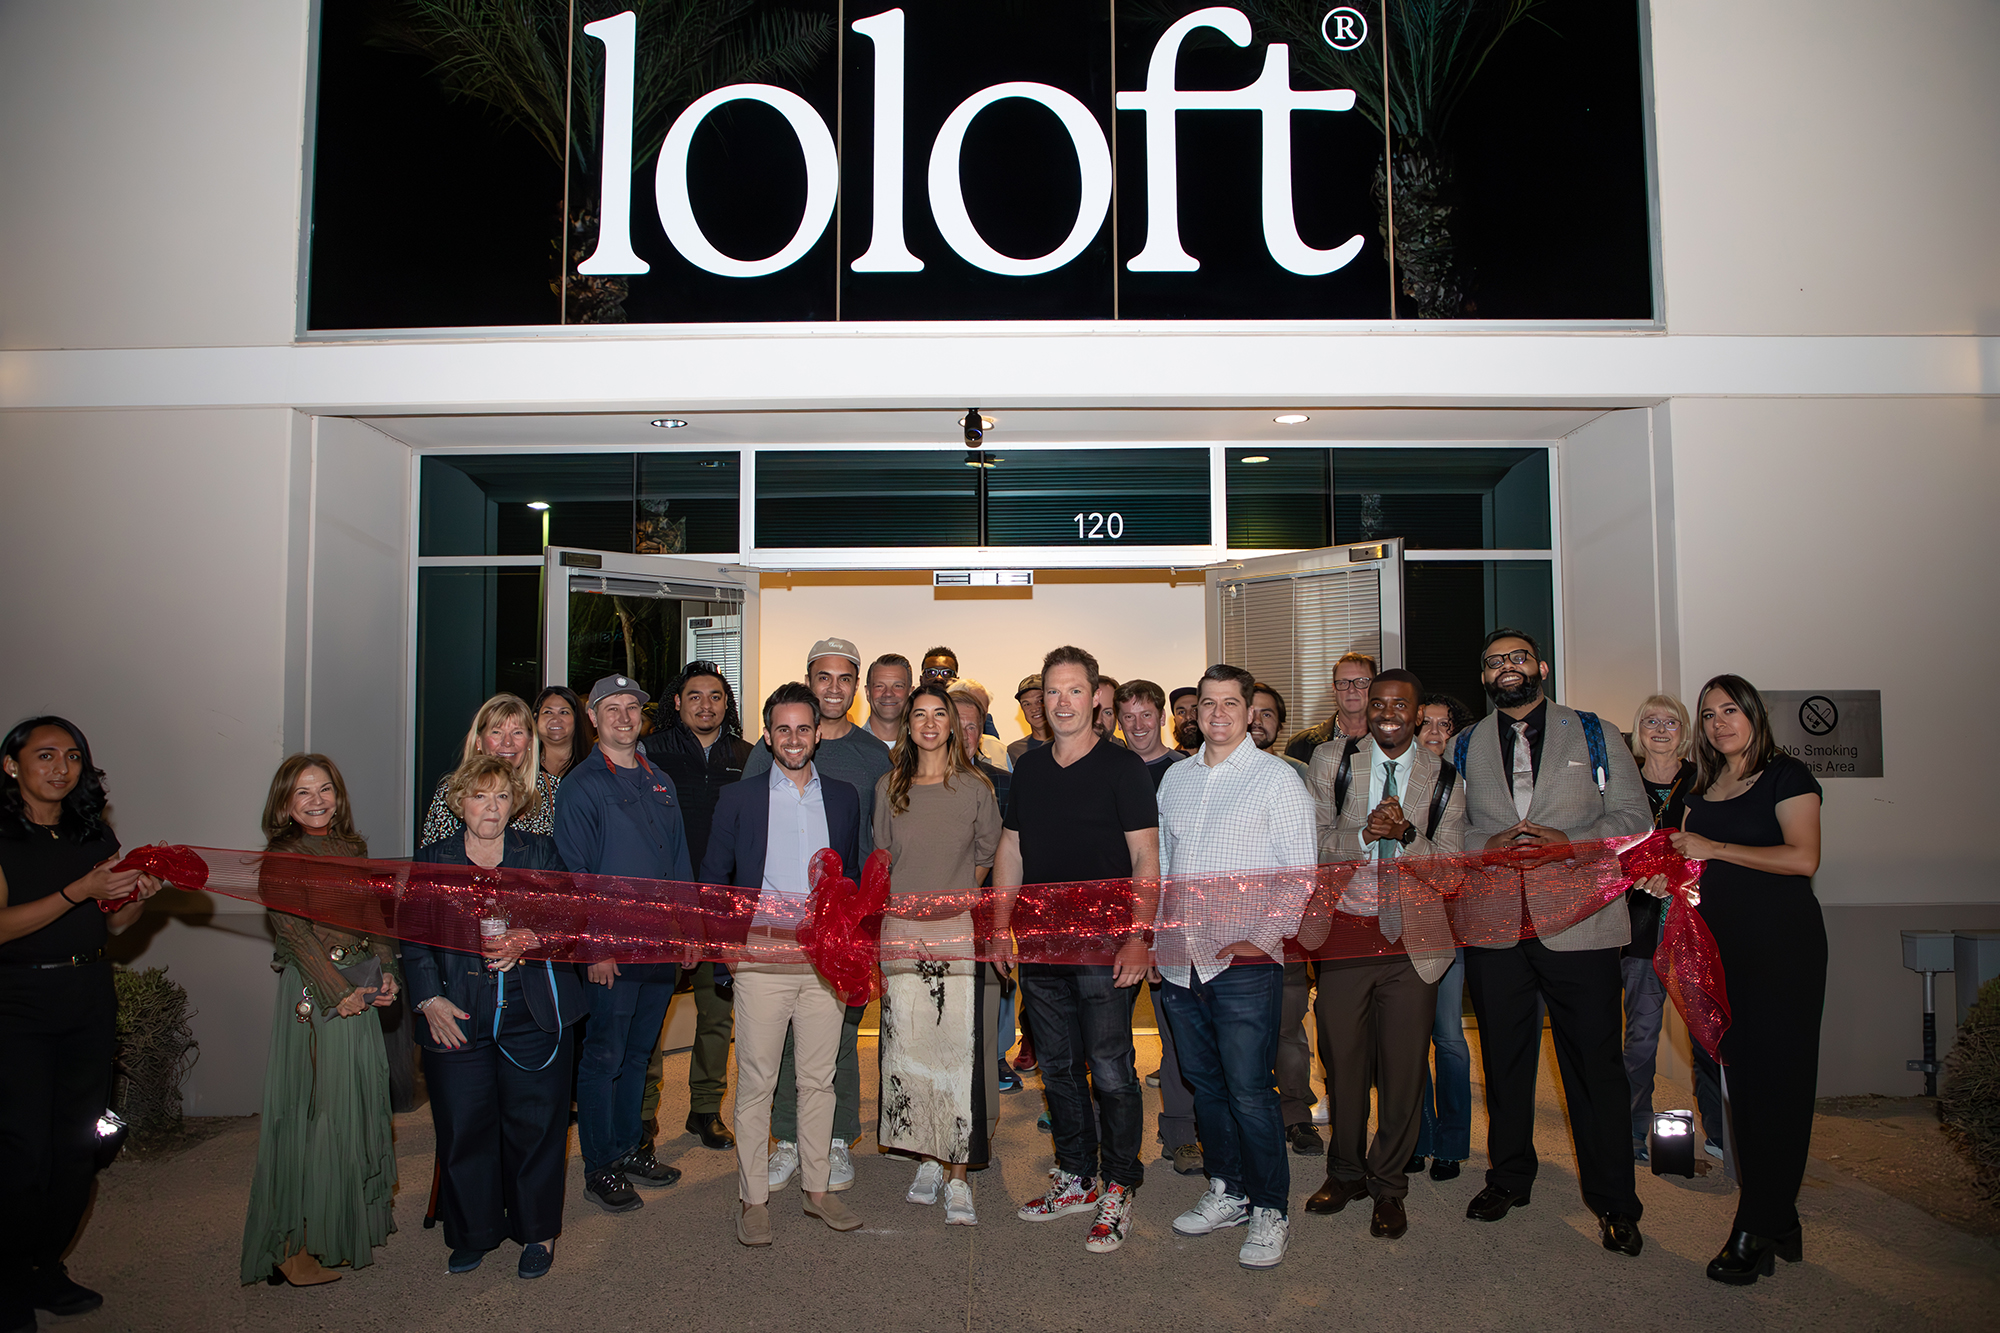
[
  {"x": 840, "y": 1166},
  {"x": 1213, "y": 1211},
  {"x": 958, "y": 1204},
  {"x": 1265, "y": 1246},
  {"x": 924, "y": 1189},
  {"x": 784, "y": 1163}
]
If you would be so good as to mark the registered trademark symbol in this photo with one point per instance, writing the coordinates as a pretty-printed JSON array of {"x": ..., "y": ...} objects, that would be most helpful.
[{"x": 1344, "y": 28}]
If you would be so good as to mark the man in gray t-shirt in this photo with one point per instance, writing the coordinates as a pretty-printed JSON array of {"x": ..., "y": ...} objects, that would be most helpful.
[{"x": 853, "y": 755}]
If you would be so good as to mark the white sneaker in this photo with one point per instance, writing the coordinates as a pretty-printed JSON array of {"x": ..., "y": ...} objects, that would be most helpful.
[
  {"x": 1323, "y": 1111},
  {"x": 924, "y": 1189},
  {"x": 1213, "y": 1211},
  {"x": 840, "y": 1167},
  {"x": 1265, "y": 1246},
  {"x": 784, "y": 1163},
  {"x": 958, "y": 1204}
]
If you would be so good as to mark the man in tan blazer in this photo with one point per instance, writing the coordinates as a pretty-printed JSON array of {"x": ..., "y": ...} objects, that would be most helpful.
[
  {"x": 1375, "y": 1014},
  {"x": 1532, "y": 781}
]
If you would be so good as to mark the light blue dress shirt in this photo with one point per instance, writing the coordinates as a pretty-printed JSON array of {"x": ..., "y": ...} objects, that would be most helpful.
[{"x": 798, "y": 830}]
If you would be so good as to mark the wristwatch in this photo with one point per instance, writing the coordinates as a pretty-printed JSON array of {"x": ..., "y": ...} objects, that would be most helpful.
[{"x": 1408, "y": 835}]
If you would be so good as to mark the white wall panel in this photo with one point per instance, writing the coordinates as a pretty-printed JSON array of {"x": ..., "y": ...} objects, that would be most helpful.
[{"x": 1611, "y": 602}]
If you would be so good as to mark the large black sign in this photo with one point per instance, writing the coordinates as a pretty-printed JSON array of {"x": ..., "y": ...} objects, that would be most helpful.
[{"x": 937, "y": 160}]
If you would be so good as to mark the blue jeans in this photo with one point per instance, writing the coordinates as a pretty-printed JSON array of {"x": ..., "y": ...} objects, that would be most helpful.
[
  {"x": 1645, "y": 1003},
  {"x": 1083, "y": 1043},
  {"x": 625, "y": 1019},
  {"x": 1447, "y": 1120},
  {"x": 1226, "y": 1034}
]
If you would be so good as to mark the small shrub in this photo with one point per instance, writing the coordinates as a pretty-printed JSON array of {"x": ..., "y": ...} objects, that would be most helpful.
[
  {"x": 1970, "y": 1104},
  {"x": 156, "y": 1048}
]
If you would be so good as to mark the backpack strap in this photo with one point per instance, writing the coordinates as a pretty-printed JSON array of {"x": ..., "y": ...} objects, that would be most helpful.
[
  {"x": 1593, "y": 737},
  {"x": 1343, "y": 775},
  {"x": 1459, "y": 748},
  {"x": 1440, "y": 798}
]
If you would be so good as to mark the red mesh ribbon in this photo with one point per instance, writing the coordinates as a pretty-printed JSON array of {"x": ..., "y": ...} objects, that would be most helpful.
[
  {"x": 1423, "y": 906},
  {"x": 844, "y": 922},
  {"x": 178, "y": 866},
  {"x": 1690, "y": 969}
]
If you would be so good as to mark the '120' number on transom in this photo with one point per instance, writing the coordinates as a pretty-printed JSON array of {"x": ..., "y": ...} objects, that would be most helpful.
[{"x": 1097, "y": 527}]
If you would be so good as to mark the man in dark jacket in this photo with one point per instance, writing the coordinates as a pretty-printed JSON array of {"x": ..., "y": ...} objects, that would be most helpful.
[
  {"x": 617, "y": 814},
  {"x": 703, "y": 751}
]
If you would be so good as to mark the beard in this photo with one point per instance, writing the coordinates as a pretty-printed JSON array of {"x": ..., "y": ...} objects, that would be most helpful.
[
  {"x": 1523, "y": 693},
  {"x": 1187, "y": 735}
]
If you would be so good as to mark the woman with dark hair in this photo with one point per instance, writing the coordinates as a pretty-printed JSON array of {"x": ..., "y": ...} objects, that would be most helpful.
[
  {"x": 1753, "y": 816},
  {"x": 562, "y": 730},
  {"x": 504, "y": 725},
  {"x": 936, "y": 815},
  {"x": 324, "y": 1191},
  {"x": 57, "y": 1008},
  {"x": 500, "y": 1084}
]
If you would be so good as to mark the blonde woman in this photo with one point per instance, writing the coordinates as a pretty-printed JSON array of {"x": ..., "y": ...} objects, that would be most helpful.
[
  {"x": 937, "y": 817},
  {"x": 504, "y": 726},
  {"x": 324, "y": 1192},
  {"x": 1660, "y": 742}
]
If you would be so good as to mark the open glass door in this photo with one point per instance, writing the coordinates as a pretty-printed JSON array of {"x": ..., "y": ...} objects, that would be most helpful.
[
  {"x": 646, "y": 617},
  {"x": 1288, "y": 618}
]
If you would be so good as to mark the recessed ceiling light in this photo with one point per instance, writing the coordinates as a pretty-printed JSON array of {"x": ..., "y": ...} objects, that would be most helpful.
[
  {"x": 538, "y": 504},
  {"x": 1257, "y": 458},
  {"x": 1288, "y": 419},
  {"x": 668, "y": 423}
]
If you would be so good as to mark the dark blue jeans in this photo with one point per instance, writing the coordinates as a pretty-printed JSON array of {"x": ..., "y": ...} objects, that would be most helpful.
[
  {"x": 1226, "y": 1034},
  {"x": 625, "y": 1019},
  {"x": 1447, "y": 1122},
  {"x": 1083, "y": 1044}
]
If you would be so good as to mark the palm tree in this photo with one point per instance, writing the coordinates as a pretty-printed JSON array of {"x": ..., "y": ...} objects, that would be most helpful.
[
  {"x": 511, "y": 57},
  {"x": 1437, "y": 48}
]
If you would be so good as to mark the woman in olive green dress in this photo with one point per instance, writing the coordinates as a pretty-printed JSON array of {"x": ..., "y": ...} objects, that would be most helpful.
[{"x": 326, "y": 1166}]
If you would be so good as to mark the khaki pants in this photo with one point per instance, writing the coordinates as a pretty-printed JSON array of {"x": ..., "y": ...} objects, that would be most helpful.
[{"x": 769, "y": 998}]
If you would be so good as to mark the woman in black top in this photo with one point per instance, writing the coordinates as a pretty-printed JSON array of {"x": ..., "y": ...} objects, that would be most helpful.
[
  {"x": 1754, "y": 818},
  {"x": 57, "y": 1008},
  {"x": 497, "y": 1045}
]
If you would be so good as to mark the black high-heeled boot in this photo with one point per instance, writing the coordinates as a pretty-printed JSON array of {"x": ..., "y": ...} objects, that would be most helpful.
[{"x": 1746, "y": 1257}]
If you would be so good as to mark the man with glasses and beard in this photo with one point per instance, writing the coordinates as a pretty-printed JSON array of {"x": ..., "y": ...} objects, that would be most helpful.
[{"x": 1536, "y": 777}]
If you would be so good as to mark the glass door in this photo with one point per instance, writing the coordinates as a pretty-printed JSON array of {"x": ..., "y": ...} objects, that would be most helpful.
[
  {"x": 647, "y": 617},
  {"x": 1288, "y": 618}
]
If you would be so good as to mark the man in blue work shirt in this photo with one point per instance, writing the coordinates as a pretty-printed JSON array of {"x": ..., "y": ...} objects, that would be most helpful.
[{"x": 616, "y": 814}]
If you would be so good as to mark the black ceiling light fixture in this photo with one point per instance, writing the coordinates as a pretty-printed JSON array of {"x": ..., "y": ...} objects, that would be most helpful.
[{"x": 976, "y": 425}]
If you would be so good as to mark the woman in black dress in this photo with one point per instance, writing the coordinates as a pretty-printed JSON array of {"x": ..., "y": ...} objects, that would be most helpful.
[
  {"x": 497, "y": 1041},
  {"x": 57, "y": 1009},
  {"x": 1754, "y": 818}
]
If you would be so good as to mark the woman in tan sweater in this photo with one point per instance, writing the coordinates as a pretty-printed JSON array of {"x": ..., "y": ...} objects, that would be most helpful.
[{"x": 936, "y": 816}]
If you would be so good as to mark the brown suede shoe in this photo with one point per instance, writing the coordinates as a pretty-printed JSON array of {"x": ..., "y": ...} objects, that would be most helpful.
[
  {"x": 830, "y": 1210},
  {"x": 753, "y": 1224},
  {"x": 303, "y": 1270}
]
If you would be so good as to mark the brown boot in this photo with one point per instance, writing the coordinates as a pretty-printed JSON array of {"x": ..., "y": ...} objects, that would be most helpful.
[{"x": 303, "y": 1270}]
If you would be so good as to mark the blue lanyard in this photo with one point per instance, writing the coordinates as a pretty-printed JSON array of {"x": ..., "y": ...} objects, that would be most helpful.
[{"x": 500, "y": 1005}]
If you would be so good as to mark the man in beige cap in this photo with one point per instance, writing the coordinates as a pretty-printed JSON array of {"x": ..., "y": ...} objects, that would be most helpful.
[{"x": 853, "y": 755}]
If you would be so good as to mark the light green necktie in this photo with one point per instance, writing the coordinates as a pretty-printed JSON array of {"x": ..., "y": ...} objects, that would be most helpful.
[{"x": 1388, "y": 847}]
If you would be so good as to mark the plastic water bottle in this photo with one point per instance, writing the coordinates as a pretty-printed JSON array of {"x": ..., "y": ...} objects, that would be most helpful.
[{"x": 492, "y": 923}]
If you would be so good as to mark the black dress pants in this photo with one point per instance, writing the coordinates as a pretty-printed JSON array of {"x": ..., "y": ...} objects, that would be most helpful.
[
  {"x": 502, "y": 1114},
  {"x": 1375, "y": 1022},
  {"x": 1583, "y": 990},
  {"x": 57, "y": 1036}
]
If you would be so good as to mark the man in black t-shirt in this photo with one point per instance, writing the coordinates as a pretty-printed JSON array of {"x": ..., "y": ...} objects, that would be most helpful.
[{"x": 1082, "y": 808}]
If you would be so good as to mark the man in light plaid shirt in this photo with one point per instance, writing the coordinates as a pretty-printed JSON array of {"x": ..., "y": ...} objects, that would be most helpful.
[{"x": 1233, "y": 808}]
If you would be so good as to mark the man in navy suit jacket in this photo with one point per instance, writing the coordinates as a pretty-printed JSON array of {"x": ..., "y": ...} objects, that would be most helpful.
[{"x": 767, "y": 829}]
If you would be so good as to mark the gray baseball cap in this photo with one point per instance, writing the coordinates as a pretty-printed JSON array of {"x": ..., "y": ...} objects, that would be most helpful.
[
  {"x": 610, "y": 685},
  {"x": 835, "y": 648}
]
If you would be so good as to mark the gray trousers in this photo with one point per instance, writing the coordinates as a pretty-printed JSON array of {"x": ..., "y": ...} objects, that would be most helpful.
[{"x": 1295, "y": 1094}]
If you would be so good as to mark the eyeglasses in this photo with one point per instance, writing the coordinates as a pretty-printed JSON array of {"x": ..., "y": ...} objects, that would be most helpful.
[
  {"x": 1358, "y": 683},
  {"x": 1520, "y": 657},
  {"x": 1659, "y": 724}
]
